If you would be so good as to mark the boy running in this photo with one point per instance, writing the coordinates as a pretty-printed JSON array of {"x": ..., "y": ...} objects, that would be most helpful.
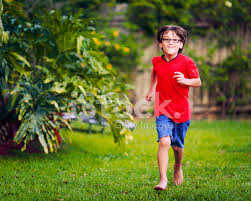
[{"x": 174, "y": 74}]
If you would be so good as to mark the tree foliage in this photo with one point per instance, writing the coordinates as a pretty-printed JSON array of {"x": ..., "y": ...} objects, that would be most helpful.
[
  {"x": 196, "y": 16},
  {"x": 99, "y": 15},
  {"x": 231, "y": 80}
]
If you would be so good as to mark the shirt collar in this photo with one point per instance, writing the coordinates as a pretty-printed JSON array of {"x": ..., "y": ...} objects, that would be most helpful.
[{"x": 163, "y": 57}]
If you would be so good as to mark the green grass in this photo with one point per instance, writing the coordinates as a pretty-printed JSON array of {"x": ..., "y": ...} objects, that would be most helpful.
[{"x": 216, "y": 166}]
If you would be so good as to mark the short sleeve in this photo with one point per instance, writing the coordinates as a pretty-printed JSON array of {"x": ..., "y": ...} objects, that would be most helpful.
[
  {"x": 192, "y": 70},
  {"x": 154, "y": 62}
]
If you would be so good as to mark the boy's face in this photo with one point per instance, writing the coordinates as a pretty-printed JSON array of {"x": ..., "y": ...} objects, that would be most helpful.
[{"x": 171, "y": 43}]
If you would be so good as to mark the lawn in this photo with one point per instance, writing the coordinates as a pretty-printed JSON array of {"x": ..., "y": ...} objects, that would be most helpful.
[{"x": 216, "y": 166}]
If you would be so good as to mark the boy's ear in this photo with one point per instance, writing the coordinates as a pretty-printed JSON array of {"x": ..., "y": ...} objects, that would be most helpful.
[
  {"x": 161, "y": 47},
  {"x": 181, "y": 45}
]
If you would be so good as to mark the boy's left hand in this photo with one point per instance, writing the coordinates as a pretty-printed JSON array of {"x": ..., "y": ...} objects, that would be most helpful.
[{"x": 180, "y": 78}]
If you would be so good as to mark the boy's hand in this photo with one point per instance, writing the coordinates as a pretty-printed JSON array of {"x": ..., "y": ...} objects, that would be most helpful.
[
  {"x": 148, "y": 96},
  {"x": 180, "y": 78}
]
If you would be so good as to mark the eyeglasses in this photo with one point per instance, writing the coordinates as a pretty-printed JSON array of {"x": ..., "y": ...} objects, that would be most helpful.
[{"x": 167, "y": 40}]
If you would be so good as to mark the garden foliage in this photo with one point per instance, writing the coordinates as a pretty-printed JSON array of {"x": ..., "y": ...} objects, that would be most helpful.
[{"x": 50, "y": 63}]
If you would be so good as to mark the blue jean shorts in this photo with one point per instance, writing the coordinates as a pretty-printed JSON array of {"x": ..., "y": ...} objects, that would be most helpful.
[{"x": 177, "y": 131}]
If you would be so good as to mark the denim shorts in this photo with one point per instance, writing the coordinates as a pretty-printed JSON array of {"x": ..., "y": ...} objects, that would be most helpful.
[{"x": 177, "y": 131}]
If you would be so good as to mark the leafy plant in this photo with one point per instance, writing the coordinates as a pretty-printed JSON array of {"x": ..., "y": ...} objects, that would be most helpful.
[
  {"x": 37, "y": 114},
  {"x": 231, "y": 81},
  {"x": 62, "y": 66}
]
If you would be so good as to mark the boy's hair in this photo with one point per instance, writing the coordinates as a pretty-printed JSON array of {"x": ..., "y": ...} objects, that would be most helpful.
[{"x": 179, "y": 31}]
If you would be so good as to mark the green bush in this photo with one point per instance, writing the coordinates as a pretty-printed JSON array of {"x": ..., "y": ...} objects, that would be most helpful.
[{"x": 56, "y": 62}]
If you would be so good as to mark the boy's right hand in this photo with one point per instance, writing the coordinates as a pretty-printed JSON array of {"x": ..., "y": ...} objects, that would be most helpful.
[{"x": 148, "y": 96}]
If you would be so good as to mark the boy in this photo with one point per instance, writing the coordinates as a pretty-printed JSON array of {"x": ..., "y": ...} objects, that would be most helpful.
[{"x": 174, "y": 74}]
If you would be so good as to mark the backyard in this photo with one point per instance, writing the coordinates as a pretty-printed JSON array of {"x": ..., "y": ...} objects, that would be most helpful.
[
  {"x": 62, "y": 61},
  {"x": 216, "y": 166}
]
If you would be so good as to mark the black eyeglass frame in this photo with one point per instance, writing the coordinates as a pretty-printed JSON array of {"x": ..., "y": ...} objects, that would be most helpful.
[{"x": 167, "y": 40}]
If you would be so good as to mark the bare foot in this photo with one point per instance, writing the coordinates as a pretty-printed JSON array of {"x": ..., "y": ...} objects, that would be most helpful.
[
  {"x": 161, "y": 186},
  {"x": 177, "y": 176}
]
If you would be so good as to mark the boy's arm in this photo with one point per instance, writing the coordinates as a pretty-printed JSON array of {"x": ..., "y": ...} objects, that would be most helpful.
[
  {"x": 148, "y": 96},
  {"x": 193, "y": 82}
]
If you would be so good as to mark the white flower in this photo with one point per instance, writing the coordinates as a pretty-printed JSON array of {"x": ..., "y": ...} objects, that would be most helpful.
[{"x": 228, "y": 4}]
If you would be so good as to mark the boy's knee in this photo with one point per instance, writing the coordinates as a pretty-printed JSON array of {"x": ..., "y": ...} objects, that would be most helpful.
[
  {"x": 175, "y": 148},
  {"x": 165, "y": 142}
]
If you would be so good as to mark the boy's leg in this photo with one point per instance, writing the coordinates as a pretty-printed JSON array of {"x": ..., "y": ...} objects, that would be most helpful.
[
  {"x": 164, "y": 146},
  {"x": 178, "y": 174},
  {"x": 179, "y": 133}
]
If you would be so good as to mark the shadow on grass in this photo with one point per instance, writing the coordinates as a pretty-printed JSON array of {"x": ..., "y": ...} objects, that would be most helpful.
[
  {"x": 243, "y": 148},
  {"x": 68, "y": 151}
]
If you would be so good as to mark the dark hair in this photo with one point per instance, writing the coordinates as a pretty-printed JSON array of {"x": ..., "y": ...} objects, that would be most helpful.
[{"x": 179, "y": 31}]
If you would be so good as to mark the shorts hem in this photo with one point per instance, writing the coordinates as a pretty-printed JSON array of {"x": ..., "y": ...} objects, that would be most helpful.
[{"x": 175, "y": 145}]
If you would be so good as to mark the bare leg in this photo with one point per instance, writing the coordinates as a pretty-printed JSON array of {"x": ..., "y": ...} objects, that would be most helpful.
[
  {"x": 164, "y": 146},
  {"x": 178, "y": 174}
]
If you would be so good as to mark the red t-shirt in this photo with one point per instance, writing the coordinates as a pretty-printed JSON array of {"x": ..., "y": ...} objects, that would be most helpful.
[{"x": 171, "y": 98}]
